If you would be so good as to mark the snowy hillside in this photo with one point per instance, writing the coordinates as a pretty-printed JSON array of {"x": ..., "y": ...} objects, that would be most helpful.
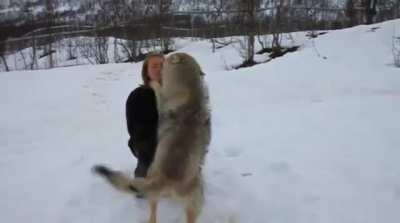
[{"x": 311, "y": 137}]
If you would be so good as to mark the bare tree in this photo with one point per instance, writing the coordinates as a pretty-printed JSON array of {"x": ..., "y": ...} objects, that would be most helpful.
[
  {"x": 388, "y": 9},
  {"x": 23, "y": 59},
  {"x": 34, "y": 64},
  {"x": 396, "y": 50},
  {"x": 350, "y": 12},
  {"x": 117, "y": 17},
  {"x": 132, "y": 49},
  {"x": 71, "y": 50},
  {"x": 101, "y": 50},
  {"x": 164, "y": 7},
  {"x": 129, "y": 12},
  {"x": 214, "y": 14},
  {"x": 2, "y": 54},
  {"x": 94, "y": 50},
  {"x": 4, "y": 61},
  {"x": 3, "y": 46},
  {"x": 85, "y": 49},
  {"x": 276, "y": 25},
  {"x": 248, "y": 12},
  {"x": 370, "y": 10},
  {"x": 50, "y": 21}
]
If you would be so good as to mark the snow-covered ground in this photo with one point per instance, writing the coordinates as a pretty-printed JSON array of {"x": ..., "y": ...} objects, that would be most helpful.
[{"x": 311, "y": 137}]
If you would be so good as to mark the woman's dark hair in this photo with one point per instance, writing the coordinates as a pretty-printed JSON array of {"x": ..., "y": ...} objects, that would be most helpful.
[{"x": 145, "y": 76}]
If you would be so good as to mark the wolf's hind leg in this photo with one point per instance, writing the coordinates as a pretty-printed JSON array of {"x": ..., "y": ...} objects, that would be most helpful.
[
  {"x": 153, "y": 210},
  {"x": 193, "y": 204}
]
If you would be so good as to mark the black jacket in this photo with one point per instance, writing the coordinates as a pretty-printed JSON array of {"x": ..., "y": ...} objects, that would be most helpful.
[{"x": 142, "y": 122}]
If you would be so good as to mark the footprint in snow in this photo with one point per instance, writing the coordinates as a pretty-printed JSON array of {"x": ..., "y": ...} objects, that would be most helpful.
[
  {"x": 95, "y": 94},
  {"x": 316, "y": 100},
  {"x": 397, "y": 192},
  {"x": 232, "y": 152},
  {"x": 279, "y": 167}
]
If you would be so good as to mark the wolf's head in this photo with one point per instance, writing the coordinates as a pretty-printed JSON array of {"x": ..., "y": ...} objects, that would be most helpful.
[{"x": 181, "y": 80}]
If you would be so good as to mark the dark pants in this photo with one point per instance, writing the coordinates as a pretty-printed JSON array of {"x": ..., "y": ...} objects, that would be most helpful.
[{"x": 144, "y": 153}]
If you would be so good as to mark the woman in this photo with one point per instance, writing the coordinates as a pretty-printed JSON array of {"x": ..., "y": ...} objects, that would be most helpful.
[{"x": 142, "y": 115}]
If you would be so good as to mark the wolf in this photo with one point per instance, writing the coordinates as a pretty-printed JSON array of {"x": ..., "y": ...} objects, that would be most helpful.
[{"x": 184, "y": 134}]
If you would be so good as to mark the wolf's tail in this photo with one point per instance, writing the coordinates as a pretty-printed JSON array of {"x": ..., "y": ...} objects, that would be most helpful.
[{"x": 122, "y": 182}]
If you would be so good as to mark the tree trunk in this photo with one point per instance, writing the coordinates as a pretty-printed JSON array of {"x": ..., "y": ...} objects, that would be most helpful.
[
  {"x": 5, "y": 62},
  {"x": 370, "y": 11},
  {"x": 251, "y": 34},
  {"x": 50, "y": 23},
  {"x": 34, "y": 57}
]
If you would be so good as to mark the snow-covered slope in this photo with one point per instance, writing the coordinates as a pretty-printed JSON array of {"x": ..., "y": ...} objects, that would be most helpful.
[{"x": 310, "y": 137}]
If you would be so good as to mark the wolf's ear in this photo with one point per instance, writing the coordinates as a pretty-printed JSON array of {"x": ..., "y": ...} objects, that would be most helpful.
[{"x": 176, "y": 58}]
